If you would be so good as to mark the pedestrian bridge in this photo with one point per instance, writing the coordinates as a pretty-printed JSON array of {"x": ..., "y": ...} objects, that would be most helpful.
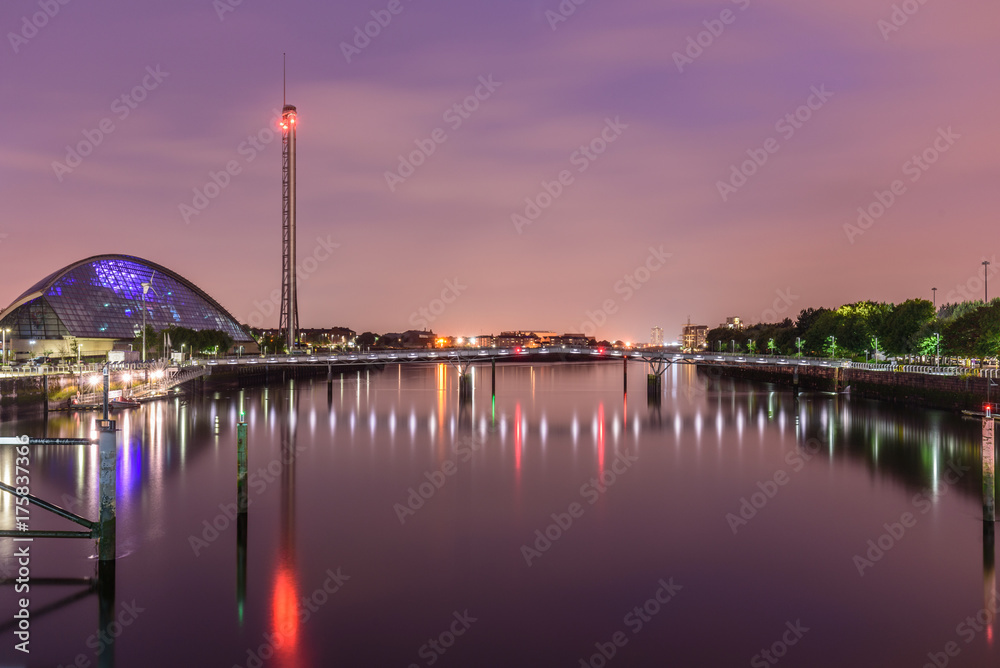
[{"x": 657, "y": 359}]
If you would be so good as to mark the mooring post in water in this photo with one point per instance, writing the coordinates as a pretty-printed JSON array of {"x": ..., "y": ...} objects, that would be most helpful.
[
  {"x": 625, "y": 374},
  {"x": 109, "y": 466},
  {"x": 241, "y": 465},
  {"x": 795, "y": 379},
  {"x": 241, "y": 516},
  {"x": 493, "y": 377},
  {"x": 989, "y": 457},
  {"x": 329, "y": 381}
]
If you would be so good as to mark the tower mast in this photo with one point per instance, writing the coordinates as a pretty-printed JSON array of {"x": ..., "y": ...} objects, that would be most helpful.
[{"x": 289, "y": 320}]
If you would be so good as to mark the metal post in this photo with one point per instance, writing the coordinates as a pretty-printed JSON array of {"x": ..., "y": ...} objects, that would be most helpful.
[
  {"x": 45, "y": 393},
  {"x": 989, "y": 479},
  {"x": 493, "y": 377},
  {"x": 109, "y": 466},
  {"x": 241, "y": 466},
  {"x": 986, "y": 282},
  {"x": 625, "y": 374}
]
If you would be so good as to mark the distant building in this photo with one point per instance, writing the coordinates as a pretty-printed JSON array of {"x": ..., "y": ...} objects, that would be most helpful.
[
  {"x": 484, "y": 341},
  {"x": 573, "y": 340},
  {"x": 416, "y": 338},
  {"x": 515, "y": 339},
  {"x": 543, "y": 338},
  {"x": 656, "y": 338},
  {"x": 734, "y": 322},
  {"x": 693, "y": 337}
]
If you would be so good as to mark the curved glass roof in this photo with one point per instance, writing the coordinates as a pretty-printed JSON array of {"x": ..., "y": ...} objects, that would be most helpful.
[{"x": 102, "y": 297}]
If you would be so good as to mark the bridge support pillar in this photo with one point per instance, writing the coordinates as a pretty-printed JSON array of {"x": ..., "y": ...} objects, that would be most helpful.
[
  {"x": 108, "y": 468},
  {"x": 654, "y": 380},
  {"x": 654, "y": 385},
  {"x": 989, "y": 476},
  {"x": 464, "y": 386}
]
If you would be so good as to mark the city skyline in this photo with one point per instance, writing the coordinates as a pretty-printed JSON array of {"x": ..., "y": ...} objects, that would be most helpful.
[{"x": 619, "y": 166}]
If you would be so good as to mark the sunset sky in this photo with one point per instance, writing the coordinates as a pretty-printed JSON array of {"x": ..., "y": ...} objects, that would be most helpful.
[{"x": 886, "y": 82}]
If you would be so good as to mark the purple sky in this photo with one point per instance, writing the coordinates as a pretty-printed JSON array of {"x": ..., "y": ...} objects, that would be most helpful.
[{"x": 774, "y": 245}]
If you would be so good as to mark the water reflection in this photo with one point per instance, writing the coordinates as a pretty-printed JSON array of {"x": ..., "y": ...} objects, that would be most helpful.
[
  {"x": 545, "y": 428},
  {"x": 285, "y": 594},
  {"x": 990, "y": 579}
]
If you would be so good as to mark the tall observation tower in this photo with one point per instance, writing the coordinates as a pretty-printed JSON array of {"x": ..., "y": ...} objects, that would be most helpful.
[{"x": 289, "y": 322}]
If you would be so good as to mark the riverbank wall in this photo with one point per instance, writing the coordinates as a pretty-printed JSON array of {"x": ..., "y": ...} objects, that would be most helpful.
[{"x": 946, "y": 392}]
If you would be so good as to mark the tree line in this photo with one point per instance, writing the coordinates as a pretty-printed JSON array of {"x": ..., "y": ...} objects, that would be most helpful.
[
  {"x": 966, "y": 329},
  {"x": 195, "y": 341}
]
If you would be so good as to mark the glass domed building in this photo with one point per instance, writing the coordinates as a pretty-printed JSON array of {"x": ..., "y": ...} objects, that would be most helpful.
[{"x": 90, "y": 305}]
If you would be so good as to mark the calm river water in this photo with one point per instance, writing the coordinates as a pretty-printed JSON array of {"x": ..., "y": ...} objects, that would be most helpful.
[{"x": 561, "y": 525}]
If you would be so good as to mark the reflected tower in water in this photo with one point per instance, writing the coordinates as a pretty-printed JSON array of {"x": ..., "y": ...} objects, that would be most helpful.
[{"x": 285, "y": 596}]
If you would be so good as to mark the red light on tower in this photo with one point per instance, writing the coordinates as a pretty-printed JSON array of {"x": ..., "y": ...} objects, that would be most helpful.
[{"x": 988, "y": 409}]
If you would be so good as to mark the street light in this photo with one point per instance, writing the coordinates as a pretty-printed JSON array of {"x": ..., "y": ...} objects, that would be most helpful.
[
  {"x": 5, "y": 345},
  {"x": 986, "y": 278},
  {"x": 145, "y": 288},
  {"x": 934, "y": 290},
  {"x": 798, "y": 344}
]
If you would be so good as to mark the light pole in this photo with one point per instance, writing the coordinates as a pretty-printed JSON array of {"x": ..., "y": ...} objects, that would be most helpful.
[
  {"x": 938, "y": 335},
  {"x": 5, "y": 345},
  {"x": 875, "y": 340},
  {"x": 798, "y": 344},
  {"x": 934, "y": 290},
  {"x": 734, "y": 346},
  {"x": 986, "y": 279}
]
